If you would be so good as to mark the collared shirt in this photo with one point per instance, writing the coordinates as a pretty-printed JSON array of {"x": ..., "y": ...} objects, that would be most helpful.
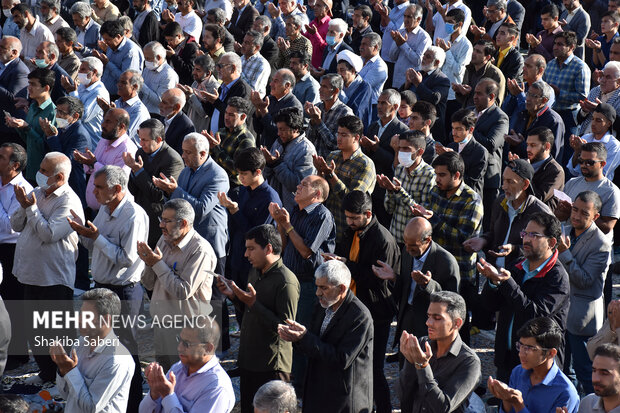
[
  {"x": 45, "y": 232},
  {"x": 456, "y": 219},
  {"x": 195, "y": 110},
  {"x": 156, "y": 82},
  {"x": 440, "y": 25},
  {"x": 409, "y": 54},
  {"x": 31, "y": 39},
  {"x": 512, "y": 213},
  {"x": 397, "y": 17},
  {"x": 555, "y": 390},
  {"x": 81, "y": 34},
  {"x": 300, "y": 44},
  {"x": 108, "y": 153},
  {"x": 232, "y": 142},
  {"x": 572, "y": 14},
  {"x": 127, "y": 56},
  {"x": 332, "y": 53},
  {"x": 215, "y": 117},
  {"x": 55, "y": 24},
  {"x": 256, "y": 71},
  {"x": 329, "y": 314},
  {"x": 318, "y": 39},
  {"x": 415, "y": 189},
  {"x": 307, "y": 89},
  {"x": 315, "y": 225},
  {"x": 418, "y": 263},
  {"x": 190, "y": 23},
  {"x": 545, "y": 48},
  {"x": 93, "y": 114},
  {"x": 8, "y": 205},
  {"x": 71, "y": 64},
  {"x": 181, "y": 281},
  {"x": 594, "y": 404},
  {"x": 106, "y": 13},
  {"x": 139, "y": 21},
  {"x": 115, "y": 257},
  {"x": 375, "y": 73},
  {"x": 457, "y": 58},
  {"x": 33, "y": 135},
  {"x": 537, "y": 165},
  {"x": 356, "y": 173},
  {"x": 572, "y": 79},
  {"x": 101, "y": 380},
  {"x": 10, "y": 28},
  {"x": 613, "y": 155},
  {"x": 277, "y": 293},
  {"x": 323, "y": 135},
  {"x": 138, "y": 113},
  {"x": 208, "y": 389},
  {"x": 444, "y": 384}
]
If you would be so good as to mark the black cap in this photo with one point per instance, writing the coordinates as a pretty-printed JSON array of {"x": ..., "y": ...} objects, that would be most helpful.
[
  {"x": 524, "y": 169},
  {"x": 606, "y": 110}
]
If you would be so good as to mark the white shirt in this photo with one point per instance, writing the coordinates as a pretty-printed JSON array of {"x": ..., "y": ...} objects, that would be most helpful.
[
  {"x": 409, "y": 54},
  {"x": 457, "y": 57},
  {"x": 156, "y": 82},
  {"x": 8, "y": 205},
  {"x": 190, "y": 23},
  {"x": 31, "y": 39},
  {"x": 440, "y": 25}
]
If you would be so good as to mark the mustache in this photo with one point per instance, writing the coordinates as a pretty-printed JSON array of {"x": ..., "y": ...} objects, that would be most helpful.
[{"x": 529, "y": 244}]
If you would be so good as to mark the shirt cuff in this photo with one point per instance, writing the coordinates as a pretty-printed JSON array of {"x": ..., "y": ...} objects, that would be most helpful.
[
  {"x": 74, "y": 379},
  {"x": 32, "y": 210},
  {"x": 138, "y": 172},
  {"x": 160, "y": 268},
  {"x": 101, "y": 242},
  {"x": 171, "y": 403}
]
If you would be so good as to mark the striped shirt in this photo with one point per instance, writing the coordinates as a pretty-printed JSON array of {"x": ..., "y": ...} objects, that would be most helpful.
[
  {"x": 355, "y": 173},
  {"x": 323, "y": 135},
  {"x": 456, "y": 219},
  {"x": 232, "y": 142},
  {"x": 415, "y": 188},
  {"x": 315, "y": 224},
  {"x": 572, "y": 78},
  {"x": 256, "y": 71}
]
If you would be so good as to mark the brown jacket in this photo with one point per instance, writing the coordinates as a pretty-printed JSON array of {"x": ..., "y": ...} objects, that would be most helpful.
[{"x": 549, "y": 176}]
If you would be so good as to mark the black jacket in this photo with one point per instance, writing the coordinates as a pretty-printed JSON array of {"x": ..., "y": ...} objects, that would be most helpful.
[
  {"x": 376, "y": 243},
  {"x": 339, "y": 372},
  {"x": 180, "y": 126},
  {"x": 238, "y": 28},
  {"x": 490, "y": 129},
  {"x": 434, "y": 89},
  {"x": 240, "y": 88},
  {"x": 476, "y": 158},
  {"x": 183, "y": 62},
  {"x": 265, "y": 127},
  {"x": 333, "y": 66}
]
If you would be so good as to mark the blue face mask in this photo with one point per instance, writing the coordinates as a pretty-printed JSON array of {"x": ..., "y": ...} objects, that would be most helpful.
[
  {"x": 449, "y": 28},
  {"x": 331, "y": 40},
  {"x": 41, "y": 63},
  {"x": 173, "y": 9}
]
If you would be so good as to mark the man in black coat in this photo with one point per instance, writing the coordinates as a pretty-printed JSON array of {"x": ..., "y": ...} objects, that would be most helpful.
[
  {"x": 144, "y": 167},
  {"x": 338, "y": 344},
  {"x": 511, "y": 64},
  {"x": 364, "y": 243},
  {"x": 242, "y": 18},
  {"x": 270, "y": 50},
  {"x": 145, "y": 22},
  {"x": 377, "y": 146},
  {"x": 180, "y": 52},
  {"x": 176, "y": 122},
  {"x": 537, "y": 286}
]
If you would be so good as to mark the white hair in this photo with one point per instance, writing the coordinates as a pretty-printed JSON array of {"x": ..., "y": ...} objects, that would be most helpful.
[
  {"x": 438, "y": 54},
  {"x": 157, "y": 48},
  {"x": 336, "y": 272},
  {"x": 200, "y": 141},
  {"x": 62, "y": 164},
  {"x": 94, "y": 64},
  {"x": 339, "y": 25},
  {"x": 613, "y": 65},
  {"x": 234, "y": 59}
]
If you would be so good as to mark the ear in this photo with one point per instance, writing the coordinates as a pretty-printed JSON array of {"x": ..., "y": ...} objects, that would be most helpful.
[
  {"x": 368, "y": 214},
  {"x": 458, "y": 323},
  {"x": 243, "y": 117},
  {"x": 552, "y": 242},
  {"x": 596, "y": 216},
  {"x": 268, "y": 249},
  {"x": 552, "y": 353}
]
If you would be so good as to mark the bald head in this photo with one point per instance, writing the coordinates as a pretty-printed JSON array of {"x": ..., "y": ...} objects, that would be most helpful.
[
  {"x": 11, "y": 48},
  {"x": 172, "y": 101},
  {"x": 418, "y": 236}
]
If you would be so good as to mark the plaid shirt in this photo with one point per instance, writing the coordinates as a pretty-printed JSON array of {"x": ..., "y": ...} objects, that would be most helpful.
[
  {"x": 415, "y": 188},
  {"x": 355, "y": 173},
  {"x": 323, "y": 135},
  {"x": 455, "y": 220},
  {"x": 300, "y": 44},
  {"x": 231, "y": 143},
  {"x": 573, "y": 80},
  {"x": 256, "y": 71}
]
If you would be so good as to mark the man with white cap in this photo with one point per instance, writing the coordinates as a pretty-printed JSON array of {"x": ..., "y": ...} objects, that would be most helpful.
[{"x": 357, "y": 92}]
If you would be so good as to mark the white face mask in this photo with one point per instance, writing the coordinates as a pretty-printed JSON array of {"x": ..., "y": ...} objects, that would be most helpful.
[
  {"x": 62, "y": 123},
  {"x": 150, "y": 65},
  {"x": 42, "y": 181},
  {"x": 405, "y": 159},
  {"x": 7, "y": 12},
  {"x": 83, "y": 79}
]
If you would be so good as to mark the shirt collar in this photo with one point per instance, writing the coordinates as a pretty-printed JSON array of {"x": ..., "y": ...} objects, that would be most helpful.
[
  {"x": 34, "y": 27},
  {"x": 45, "y": 104},
  {"x": 455, "y": 347},
  {"x": 132, "y": 101},
  {"x": 117, "y": 142},
  {"x": 425, "y": 255},
  {"x": 186, "y": 239},
  {"x": 108, "y": 341},
  {"x": 205, "y": 367},
  {"x": 311, "y": 207},
  {"x": 118, "y": 207}
]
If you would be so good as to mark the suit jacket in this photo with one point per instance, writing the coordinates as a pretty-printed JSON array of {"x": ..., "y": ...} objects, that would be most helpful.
[
  {"x": 586, "y": 263},
  {"x": 265, "y": 127},
  {"x": 375, "y": 243},
  {"x": 434, "y": 89},
  {"x": 14, "y": 78},
  {"x": 512, "y": 65},
  {"x": 147, "y": 195},
  {"x": 340, "y": 360},
  {"x": 183, "y": 62},
  {"x": 180, "y": 126},
  {"x": 58, "y": 91},
  {"x": 270, "y": 52},
  {"x": 200, "y": 189},
  {"x": 91, "y": 37},
  {"x": 516, "y": 12},
  {"x": 229, "y": 41},
  {"x": 550, "y": 119},
  {"x": 544, "y": 295},
  {"x": 548, "y": 177},
  {"x": 476, "y": 158},
  {"x": 490, "y": 129},
  {"x": 69, "y": 139},
  {"x": 580, "y": 24},
  {"x": 238, "y": 28},
  {"x": 445, "y": 277},
  {"x": 333, "y": 66},
  {"x": 240, "y": 88},
  {"x": 149, "y": 31}
]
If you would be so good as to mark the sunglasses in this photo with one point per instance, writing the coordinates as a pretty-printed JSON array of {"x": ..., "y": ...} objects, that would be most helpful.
[{"x": 588, "y": 162}]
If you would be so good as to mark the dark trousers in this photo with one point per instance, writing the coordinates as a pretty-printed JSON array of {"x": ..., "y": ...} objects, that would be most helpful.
[
  {"x": 82, "y": 281},
  {"x": 12, "y": 292},
  {"x": 305, "y": 308},
  {"x": 219, "y": 300},
  {"x": 380, "y": 387},
  {"x": 250, "y": 383},
  {"x": 131, "y": 296},
  {"x": 33, "y": 294},
  {"x": 571, "y": 127},
  {"x": 577, "y": 363},
  {"x": 489, "y": 195}
]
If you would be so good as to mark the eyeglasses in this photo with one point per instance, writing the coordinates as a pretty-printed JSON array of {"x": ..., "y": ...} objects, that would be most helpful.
[
  {"x": 588, "y": 162},
  {"x": 524, "y": 234},
  {"x": 529, "y": 94},
  {"x": 167, "y": 221},
  {"x": 222, "y": 65},
  {"x": 528, "y": 349},
  {"x": 186, "y": 343}
]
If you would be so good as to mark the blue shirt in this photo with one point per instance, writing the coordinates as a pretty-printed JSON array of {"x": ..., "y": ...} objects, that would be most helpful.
[
  {"x": 127, "y": 56},
  {"x": 138, "y": 113},
  {"x": 572, "y": 79},
  {"x": 93, "y": 114},
  {"x": 613, "y": 155},
  {"x": 554, "y": 391},
  {"x": 315, "y": 224}
]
